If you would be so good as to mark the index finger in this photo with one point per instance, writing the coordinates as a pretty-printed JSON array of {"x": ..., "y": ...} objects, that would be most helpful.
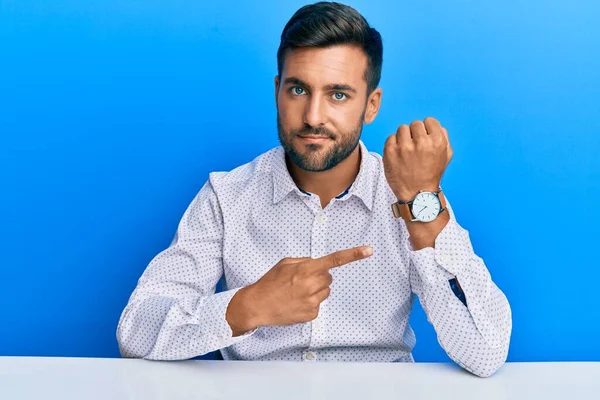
[{"x": 342, "y": 257}]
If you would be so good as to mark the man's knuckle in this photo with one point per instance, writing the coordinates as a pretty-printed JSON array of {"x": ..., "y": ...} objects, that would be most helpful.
[
  {"x": 408, "y": 150},
  {"x": 316, "y": 283},
  {"x": 336, "y": 260},
  {"x": 422, "y": 145},
  {"x": 296, "y": 280},
  {"x": 302, "y": 268}
]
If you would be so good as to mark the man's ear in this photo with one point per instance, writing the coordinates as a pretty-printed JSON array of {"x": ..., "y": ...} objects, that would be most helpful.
[
  {"x": 276, "y": 89},
  {"x": 373, "y": 104}
]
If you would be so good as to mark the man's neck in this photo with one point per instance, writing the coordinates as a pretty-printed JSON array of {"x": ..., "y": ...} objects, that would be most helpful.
[{"x": 330, "y": 183}]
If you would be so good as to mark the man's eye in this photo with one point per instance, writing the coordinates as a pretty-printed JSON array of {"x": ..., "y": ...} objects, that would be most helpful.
[
  {"x": 339, "y": 96},
  {"x": 297, "y": 90}
]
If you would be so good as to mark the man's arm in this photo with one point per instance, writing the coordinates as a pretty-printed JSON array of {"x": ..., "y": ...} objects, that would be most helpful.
[
  {"x": 174, "y": 313},
  {"x": 476, "y": 335}
]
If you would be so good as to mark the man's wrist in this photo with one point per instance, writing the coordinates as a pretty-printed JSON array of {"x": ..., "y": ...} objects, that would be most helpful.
[
  {"x": 424, "y": 234},
  {"x": 242, "y": 315},
  {"x": 410, "y": 195}
]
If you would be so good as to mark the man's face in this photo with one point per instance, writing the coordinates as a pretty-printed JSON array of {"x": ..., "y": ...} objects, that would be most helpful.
[{"x": 321, "y": 101}]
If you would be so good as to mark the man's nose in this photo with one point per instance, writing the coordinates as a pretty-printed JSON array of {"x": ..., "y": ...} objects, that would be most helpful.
[{"x": 314, "y": 114}]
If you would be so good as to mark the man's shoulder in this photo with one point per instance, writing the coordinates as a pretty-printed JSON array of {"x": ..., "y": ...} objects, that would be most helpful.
[
  {"x": 375, "y": 158},
  {"x": 374, "y": 162},
  {"x": 259, "y": 168}
]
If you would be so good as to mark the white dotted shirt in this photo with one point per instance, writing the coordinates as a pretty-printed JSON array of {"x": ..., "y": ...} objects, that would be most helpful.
[{"x": 245, "y": 221}]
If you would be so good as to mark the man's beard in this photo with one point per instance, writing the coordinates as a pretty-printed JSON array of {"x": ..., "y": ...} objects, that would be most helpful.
[{"x": 313, "y": 161}]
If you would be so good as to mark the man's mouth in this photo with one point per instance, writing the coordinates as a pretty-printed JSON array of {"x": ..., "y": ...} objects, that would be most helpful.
[{"x": 314, "y": 139}]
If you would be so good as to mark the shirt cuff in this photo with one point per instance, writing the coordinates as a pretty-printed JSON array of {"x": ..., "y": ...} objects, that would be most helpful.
[{"x": 217, "y": 330}]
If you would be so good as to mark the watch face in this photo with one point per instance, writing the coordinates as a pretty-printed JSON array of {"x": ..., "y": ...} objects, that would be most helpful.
[{"x": 426, "y": 206}]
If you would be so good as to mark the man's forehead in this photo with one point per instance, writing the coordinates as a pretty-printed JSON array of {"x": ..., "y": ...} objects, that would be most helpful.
[{"x": 322, "y": 66}]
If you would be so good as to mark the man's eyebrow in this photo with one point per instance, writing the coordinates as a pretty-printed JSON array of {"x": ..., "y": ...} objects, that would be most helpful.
[
  {"x": 331, "y": 86},
  {"x": 295, "y": 81},
  {"x": 341, "y": 87}
]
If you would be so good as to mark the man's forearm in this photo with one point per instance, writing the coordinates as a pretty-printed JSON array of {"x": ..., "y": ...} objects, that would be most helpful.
[{"x": 476, "y": 337}]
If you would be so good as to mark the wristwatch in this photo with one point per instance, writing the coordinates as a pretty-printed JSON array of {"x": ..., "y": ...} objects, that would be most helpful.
[{"x": 424, "y": 207}]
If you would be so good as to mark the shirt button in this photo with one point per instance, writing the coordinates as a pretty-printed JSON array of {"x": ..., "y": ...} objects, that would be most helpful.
[
  {"x": 310, "y": 356},
  {"x": 445, "y": 258},
  {"x": 316, "y": 324},
  {"x": 321, "y": 218}
]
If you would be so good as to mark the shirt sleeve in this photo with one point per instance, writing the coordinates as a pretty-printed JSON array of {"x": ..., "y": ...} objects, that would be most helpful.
[
  {"x": 174, "y": 313},
  {"x": 474, "y": 333}
]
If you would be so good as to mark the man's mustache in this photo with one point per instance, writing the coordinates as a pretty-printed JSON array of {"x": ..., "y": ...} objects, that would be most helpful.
[{"x": 310, "y": 131}]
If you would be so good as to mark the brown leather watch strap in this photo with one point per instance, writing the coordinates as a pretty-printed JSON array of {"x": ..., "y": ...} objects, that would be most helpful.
[{"x": 402, "y": 210}]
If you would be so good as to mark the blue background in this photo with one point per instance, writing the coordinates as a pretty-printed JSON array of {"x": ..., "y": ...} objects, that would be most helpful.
[{"x": 112, "y": 114}]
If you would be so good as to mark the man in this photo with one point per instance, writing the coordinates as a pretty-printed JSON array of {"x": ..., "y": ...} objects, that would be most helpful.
[{"x": 323, "y": 244}]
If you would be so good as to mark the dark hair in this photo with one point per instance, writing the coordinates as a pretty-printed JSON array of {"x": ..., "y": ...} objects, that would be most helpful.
[{"x": 327, "y": 24}]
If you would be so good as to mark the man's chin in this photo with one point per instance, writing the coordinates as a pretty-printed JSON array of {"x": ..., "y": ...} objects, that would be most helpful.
[{"x": 308, "y": 161}]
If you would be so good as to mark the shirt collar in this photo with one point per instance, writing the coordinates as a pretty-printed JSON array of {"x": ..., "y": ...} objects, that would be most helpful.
[{"x": 362, "y": 187}]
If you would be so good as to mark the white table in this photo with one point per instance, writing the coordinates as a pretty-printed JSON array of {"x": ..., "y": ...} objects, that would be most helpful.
[{"x": 31, "y": 378}]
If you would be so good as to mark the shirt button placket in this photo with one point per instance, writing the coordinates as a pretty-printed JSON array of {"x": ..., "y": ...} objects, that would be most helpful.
[
  {"x": 318, "y": 249},
  {"x": 318, "y": 239}
]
